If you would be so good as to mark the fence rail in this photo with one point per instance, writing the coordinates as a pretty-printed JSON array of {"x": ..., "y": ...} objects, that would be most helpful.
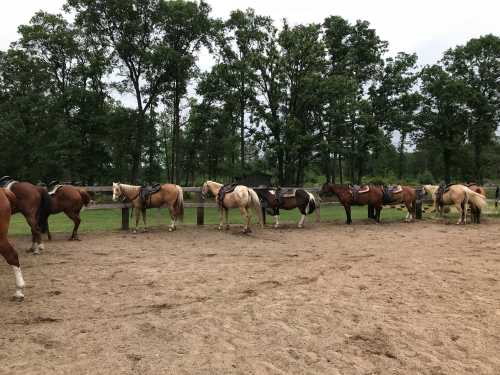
[{"x": 200, "y": 204}]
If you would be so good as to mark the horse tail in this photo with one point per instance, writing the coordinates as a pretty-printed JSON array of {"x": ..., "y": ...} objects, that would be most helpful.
[
  {"x": 255, "y": 201},
  {"x": 44, "y": 210},
  {"x": 179, "y": 203},
  {"x": 85, "y": 197},
  {"x": 476, "y": 199}
]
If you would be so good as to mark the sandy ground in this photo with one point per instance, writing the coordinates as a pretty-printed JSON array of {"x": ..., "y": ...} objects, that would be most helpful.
[{"x": 329, "y": 299}]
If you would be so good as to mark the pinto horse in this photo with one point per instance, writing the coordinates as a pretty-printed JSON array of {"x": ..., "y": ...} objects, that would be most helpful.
[
  {"x": 241, "y": 197},
  {"x": 34, "y": 203},
  {"x": 373, "y": 197},
  {"x": 7, "y": 204},
  {"x": 274, "y": 200},
  {"x": 70, "y": 200},
  {"x": 169, "y": 195},
  {"x": 459, "y": 196}
]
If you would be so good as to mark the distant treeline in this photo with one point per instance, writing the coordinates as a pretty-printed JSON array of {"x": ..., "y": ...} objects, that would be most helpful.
[{"x": 304, "y": 103}]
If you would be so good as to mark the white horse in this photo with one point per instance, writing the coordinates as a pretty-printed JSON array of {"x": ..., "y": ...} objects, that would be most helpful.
[{"x": 241, "y": 197}]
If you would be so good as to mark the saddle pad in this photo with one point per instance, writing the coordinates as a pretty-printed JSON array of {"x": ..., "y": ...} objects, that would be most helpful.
[
  {"x": 364, "y": 189},
  {"x": 396, "y": 189}
]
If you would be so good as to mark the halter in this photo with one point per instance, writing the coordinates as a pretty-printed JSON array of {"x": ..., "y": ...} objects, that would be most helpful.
[{"x": 123, "y": 197}]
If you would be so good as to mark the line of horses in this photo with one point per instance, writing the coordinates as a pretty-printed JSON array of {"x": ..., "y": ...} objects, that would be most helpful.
[{"x": 37, "y": 203}]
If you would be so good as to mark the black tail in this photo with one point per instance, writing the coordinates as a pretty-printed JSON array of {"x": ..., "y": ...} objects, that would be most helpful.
[{"x": 44, "y": 211}]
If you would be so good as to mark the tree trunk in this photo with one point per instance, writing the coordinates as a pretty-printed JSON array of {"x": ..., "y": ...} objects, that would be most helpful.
[
  {"x": 176, "y": 135},
  {"x": 139, "y": 140},
  {"x": 242, "y": 133},
  {"x": 478, "y": 172},
  {"x": 401, "y": 155},
  {"x": 446, "y": 162}
]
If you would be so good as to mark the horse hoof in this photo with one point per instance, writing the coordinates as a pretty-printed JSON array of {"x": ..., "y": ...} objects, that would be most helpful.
[
  {"x": 276, "y": 226},
  {"x": 36, "y": 252},
  {"x": 170, "y": 230},
  {"x": 18, "y": 297}
]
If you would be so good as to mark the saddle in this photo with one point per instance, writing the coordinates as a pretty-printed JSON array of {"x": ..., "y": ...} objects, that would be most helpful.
[
  {"x": 356, "y": 190},
  {"x": 55, "y": 189},
  {"x": 146, "y": 192},
  {"x": 229, "y": 188},
  {"x": 389, "y": 192},
  {"x": 440, "y": 192},
  {"x": 6, "y": 180}
]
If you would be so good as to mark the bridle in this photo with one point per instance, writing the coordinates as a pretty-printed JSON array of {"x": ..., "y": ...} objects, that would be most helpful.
[{"x": 123, "y": 197}]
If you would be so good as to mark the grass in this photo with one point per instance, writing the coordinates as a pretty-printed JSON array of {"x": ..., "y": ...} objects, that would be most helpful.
[{"x": 105, "y": 220}]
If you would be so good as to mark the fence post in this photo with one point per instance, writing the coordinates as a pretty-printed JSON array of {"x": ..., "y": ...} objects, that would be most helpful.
[
  {"x": 125, "y": 218},
  {"x": 200, "y": 211},
  {"x": 418, "y": 203},
  {"x": 263, "y": 209}
]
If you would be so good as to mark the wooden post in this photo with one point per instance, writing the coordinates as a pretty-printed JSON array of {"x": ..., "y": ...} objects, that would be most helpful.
[
  {"x": 263, "y": 209},
  {"x": 418, "y": 203},
  {"x": 125, "y": 218},
  {"x": 200, "y": 211}
]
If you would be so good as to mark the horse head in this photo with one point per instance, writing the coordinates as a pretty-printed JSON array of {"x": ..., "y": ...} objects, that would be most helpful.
[
  {"x": 117, "y": 191},
  {"x": 326, "y": 189},
  {"x": 204, "y": 190}
]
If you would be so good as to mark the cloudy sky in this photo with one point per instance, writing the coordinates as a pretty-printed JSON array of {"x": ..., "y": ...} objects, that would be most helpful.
[{"x": 427, "y": 27}]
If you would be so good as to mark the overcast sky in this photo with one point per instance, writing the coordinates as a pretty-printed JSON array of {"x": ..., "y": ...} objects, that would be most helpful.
[{"x": 427, "y": 27}]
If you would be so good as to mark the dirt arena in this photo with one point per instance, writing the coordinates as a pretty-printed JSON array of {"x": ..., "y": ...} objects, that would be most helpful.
[{"x": 418, "y": 298}]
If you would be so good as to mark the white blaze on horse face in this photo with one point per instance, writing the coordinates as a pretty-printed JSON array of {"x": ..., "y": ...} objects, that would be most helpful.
[{"x": 116, "y": 192}]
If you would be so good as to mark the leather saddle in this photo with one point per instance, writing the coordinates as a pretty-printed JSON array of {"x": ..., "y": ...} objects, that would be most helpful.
[
  {"x": 442, "y": 189},
  {"x": 356, "y": 190},
  {"x": 5, "y": 180},
  {"x": 389, "y": 192},
  {"x": 225, "y": 189},
  {"x": 146, "y": 192}
]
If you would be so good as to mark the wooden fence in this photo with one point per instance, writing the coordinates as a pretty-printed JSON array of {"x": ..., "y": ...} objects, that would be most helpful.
[{"x": 200, "y": 204}]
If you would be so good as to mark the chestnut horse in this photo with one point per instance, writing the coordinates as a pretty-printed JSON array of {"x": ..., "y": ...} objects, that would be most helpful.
[
  {"x": 241, "y": 197},
  {"x": 407, "y": 196},
  {"x": 34, "y": 203},
  {"x": 169, "y": 195},
  {"x": 476, "y": 211},
  {"x": 373, "y": 197},
  {"x": 274, "y": 200},
  {"x": 7, "y": 204},
  {"x": 70, "y": 200}
]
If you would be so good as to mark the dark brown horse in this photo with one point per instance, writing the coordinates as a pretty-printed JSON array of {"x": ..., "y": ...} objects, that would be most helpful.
[
  {"x": 34, "y": 203},
  {"x": 348, "y": 196},
  {"x": 274, "y": 200},
  {"x": 475, "y": 210},
  {"x": 70, "y": 200},
  {"x": 7, "y": 202}
]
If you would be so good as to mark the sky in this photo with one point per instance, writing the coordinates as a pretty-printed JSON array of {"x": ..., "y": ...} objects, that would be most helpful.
[{"x": 427, "y": 27}]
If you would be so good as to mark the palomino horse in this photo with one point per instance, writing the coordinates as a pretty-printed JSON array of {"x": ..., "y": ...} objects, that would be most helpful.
[
  {"x": 476, "y": 211},
  {"x": 371, "y": 195},
  {"x": 70, "y": 200},
  {"x": 274, "y": 200},
  {"x": 457, "y": 195},
  {"x": 169, "y": 195},
  {"x": 34, "y": 203},
  {"x": 7, "y": 204},
  {"x": 242, "y": 197},
  {"x": 405, "y": 195}
]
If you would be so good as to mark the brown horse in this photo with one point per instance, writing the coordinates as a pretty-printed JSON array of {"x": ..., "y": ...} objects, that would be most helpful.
[
  {"x": 405, "y": 195},
  {"x": 34, "y": 203},
  {"x": 7, "y": 202},
  {"x": 70, "y": 200},
  {"x": 241, "y": 197},
  {"x": 169, "y": 195},
  {"x": 274, "y": 200},
  {"x": 368, "y": 195},
  {"x": 476, "y": 211}
]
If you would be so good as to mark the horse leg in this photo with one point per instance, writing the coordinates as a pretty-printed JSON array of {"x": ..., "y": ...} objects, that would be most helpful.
[
  {"x": 173, "y": 218},
  {"x": 75, "y": 216},
  {"x": 377, "y": 214},
  {"x": 277, "y": 221},
  {"x": 36, "y": 236},
  {"x": 137, "y": 216},
  {"x": 348, "y": 214},
  {"x": 246, "y": 216},
  {"x": 409, "y": 215},
  {"x": 461, "y": 212},
  {"x": 10, "y": 255},
  {"x": 302, "y": 218},
  {"x": 143, "y": 211},
  {"x": 226, "y": 213},
  {"x": 221, "y": 218}
]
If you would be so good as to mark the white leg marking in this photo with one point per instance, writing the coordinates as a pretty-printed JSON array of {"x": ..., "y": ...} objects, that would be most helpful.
[
  {"x": 19, "y": 282},
  {"x": 277, "y": 219},
  {"x": 301, "y": 222}
]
